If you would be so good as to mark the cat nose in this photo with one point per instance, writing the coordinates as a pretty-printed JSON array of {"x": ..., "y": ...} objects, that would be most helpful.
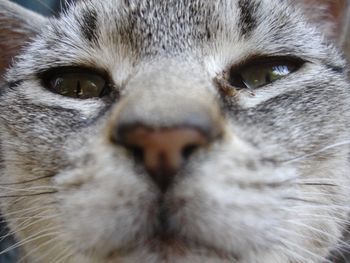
[{"x": 162, "y": 151}]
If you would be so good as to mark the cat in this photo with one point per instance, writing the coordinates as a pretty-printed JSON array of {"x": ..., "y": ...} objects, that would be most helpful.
[{"x": 174, "y": 131}]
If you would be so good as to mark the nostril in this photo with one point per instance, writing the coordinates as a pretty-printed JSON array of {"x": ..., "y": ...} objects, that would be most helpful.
[
  {"x": 163, "y": 152},
  {"x": 189, "y": 150},
  {"x": 137, "y": 153}
]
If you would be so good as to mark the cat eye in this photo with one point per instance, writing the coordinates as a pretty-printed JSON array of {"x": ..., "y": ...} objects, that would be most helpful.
[
  {"x": 261, "y": 72},
  {"x": 77, "y": 83}
]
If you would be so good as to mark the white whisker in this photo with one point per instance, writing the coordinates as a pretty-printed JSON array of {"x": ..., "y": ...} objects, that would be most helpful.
[
  {"x": 344, "y": 143},
  {"x": 41, "y": 234},
  {"x": 31, "y": 252},
  {"x": 288, "y": 243}
]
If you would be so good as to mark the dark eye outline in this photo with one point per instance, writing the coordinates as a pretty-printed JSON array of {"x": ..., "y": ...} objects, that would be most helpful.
[
  {"x": 47, "y": 76},
  {"x": 231, "y": 81}
]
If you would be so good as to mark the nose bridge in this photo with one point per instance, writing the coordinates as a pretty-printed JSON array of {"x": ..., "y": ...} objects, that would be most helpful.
[{"x": 167, "y": 96}]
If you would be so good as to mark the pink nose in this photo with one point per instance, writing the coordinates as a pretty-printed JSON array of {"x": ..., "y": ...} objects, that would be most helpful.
[{"x": 162, "y": 151}]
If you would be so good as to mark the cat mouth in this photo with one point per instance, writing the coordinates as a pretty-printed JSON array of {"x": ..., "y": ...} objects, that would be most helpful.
[
  {"x": 168, "y": 238},
  {"x": 182, "y": 246},
  {"x": 167, "y": 245},
  {"x": 168, "y": 241}
]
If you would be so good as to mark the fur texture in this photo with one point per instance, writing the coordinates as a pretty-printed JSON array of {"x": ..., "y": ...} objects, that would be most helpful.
[{"x": 275, "y": 188}]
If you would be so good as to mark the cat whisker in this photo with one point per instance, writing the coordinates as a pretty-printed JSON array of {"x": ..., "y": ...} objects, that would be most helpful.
[
  {"x": 342, "y": 246},
  {"x": 42, "y": 3},
  {"x": 326, "y": 185},
  {"x": 27, "y": 181},
  {"x": 313, "y": 229},
  {"x": 295, "y": 246},
  {"x": 27, "y": 195},
  {"x": 318, "y": 184},
  {"x": 32, "y": 251},
  {"x": 26, "y": 225},
  {"x": 29, "y": 189},
  {"x": 32, "y": 217},
  {"x": 297, "y": 199},
  {"x": 316, "y": 204},
  {"x": 296, "y": 159},
  {"x": 339, "y": 253},
  {"x": 289, "y": 252},
  {"x": 31, "y": 209},
  {"x": 321, "y": 179},
  {"x": 342, "y": 222},
  {"x": 319, "y": 215},
  {"x": 295, "y": 234},
  {"x": 64, "y": 255},
  {"x": 323, "y": 207},
  {"x": 41, "y": 234},
  {"x": 305, "y": 193}
]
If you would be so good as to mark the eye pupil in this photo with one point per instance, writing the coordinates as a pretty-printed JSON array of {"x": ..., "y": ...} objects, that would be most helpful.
[{"x": 78, "y": 91}]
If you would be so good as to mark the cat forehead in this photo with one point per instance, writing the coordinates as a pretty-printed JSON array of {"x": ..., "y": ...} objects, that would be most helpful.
[
  {"x": 103, "y": 32},
  {"x": 175, "y": 25},
  {"x": 146, "y": 26}
]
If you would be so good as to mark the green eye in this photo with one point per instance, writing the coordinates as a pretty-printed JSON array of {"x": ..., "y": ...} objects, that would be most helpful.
[
  {"x": 260, "y": 73},
  {"x": 76, "y": 83}
]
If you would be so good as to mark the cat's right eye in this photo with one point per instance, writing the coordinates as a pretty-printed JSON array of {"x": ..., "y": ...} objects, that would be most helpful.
[{"x": 76, "y": 83}]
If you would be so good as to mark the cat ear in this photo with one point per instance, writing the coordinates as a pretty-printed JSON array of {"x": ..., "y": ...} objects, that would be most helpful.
[
  {"x": 331, "y": 16},
  {"x": 17, "y": 26}
]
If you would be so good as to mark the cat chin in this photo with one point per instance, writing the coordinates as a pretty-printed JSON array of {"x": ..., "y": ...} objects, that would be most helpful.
[
  {"x": 167, "y": 255},
  {"x": 172, "y": 259},
  {"x": 163, "y": 250},
  {"x": 181, "y": 251}
]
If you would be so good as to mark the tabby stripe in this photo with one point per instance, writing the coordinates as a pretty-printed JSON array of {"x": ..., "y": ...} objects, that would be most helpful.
[
  {"x": 89, "y": 25},
  {"x": 247, "y": 20}
]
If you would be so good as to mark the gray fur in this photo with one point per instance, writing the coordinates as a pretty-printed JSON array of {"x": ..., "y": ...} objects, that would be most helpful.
[{"x": 275, "y": 188}]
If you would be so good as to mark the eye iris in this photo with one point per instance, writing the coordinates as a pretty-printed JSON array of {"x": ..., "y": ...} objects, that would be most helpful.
[
  {"x": 77, "y": 85},
  {"x": 90, "y": 88},
  {"x": 256, "y": 77},
  {"x": 261, "y": 73},
  {"x": 59, "y": 86}
]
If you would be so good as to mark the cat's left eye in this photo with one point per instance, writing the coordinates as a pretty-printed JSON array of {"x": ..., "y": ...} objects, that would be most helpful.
[{"x": 259, "y": 73}]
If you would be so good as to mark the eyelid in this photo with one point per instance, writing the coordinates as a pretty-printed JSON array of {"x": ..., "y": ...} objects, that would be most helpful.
[
  {"x": 72, "y": 69},
  {"x": 265, "y": 60}
]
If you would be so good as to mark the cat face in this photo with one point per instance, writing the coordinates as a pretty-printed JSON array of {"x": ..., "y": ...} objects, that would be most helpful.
[{"x": 181, "y": 131}]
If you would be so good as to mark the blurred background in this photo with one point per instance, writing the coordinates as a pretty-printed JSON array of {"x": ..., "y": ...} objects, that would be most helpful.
[{"x": 45, "y": 7}]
